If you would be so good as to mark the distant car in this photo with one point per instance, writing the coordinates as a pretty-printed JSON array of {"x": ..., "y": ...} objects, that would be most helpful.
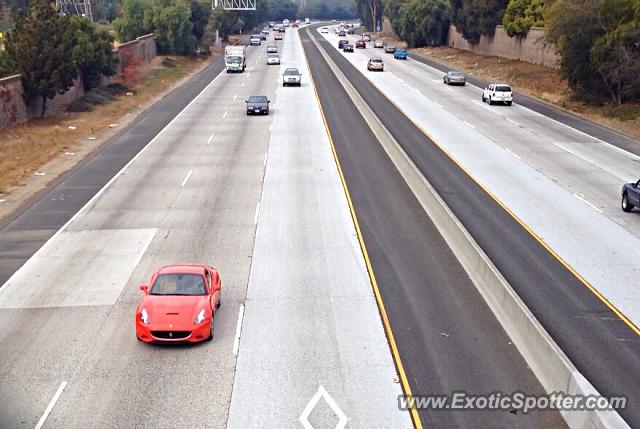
[
  {"x": 281, "y": 29},
  {"x": 258, "y": 104},
  {"x": 378, "y": 44},
  {"x": 389, "y": 49},
  {"x": 630, "y": 196},
  {"x": 400, "y": 54},
  {"x": 375, "y": 63},
  {"x": 498, "y": 93},
  {"x": 307, "y": 21},
  {"x": 342, "y": 42},
  {"x": 272, "y": 24},
  {"x": 296, "y": 25},
  {"x": 277, "y": 36},
  {"x": 272, "y": 49},
  {"x": 255, "y": 40},
  {"x": 351, "y": 30},
  {"x": 179, "y": 304},
  {"x": 361, "y": 44},
  {"x": 292, "y": 76},
  {"x": 342, "y": 33},
  {"x": 347, "y": 48},
  {"x": 366, "y": 37},
  {"x": 455, "y": 78},
  {"x": 264, "y": 34},
  {"x": 324, "y": 30},
  {"x": 273, "y": 59}
]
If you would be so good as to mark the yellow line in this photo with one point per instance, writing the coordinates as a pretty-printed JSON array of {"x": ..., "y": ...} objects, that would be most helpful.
[
  {"x": 383, "y": 312},
  {"x": 521, "y": 222}
]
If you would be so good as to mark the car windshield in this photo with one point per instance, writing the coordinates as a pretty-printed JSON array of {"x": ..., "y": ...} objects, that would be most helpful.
[
  {"x": 179, "y": 284},
  {"x": 255, "y": 36},
  {"x": 258, "y": 99},
  {"x": 456, "y": 74},
  {"x": 234, "y": 59},
  {"x": 376, "y": 60},
  {"x": 503, "y": 88},
  {"x": 291, "y": 72},
  {"x": 273, "y": 55}
]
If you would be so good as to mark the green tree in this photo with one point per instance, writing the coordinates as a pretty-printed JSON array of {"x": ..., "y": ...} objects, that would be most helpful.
[
  {"x": 370, "y": 12},
  {"x": 131, "y": 24},
  {"x": 40, "y": 48},
  {"x": 92, "y": 51},
  {"x": 521, "y": 15},
  {"x": 598, "y": 42},
  {"x": 473, "y": 18},
  {"x": 421, "y": 22},
  {"x": 5, "y": 68},
  {"x": 172, "y": 26}
]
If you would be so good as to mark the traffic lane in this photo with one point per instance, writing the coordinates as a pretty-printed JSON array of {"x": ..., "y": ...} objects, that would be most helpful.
[
  {"x": 316, "y": 324},
  {"x": 603, "y": 348},
  {"x": 83, "y": 358},
  {"x": 447, "y": 337},
  {"x": 29, "y": 227},
  {"x": 599, "y": 260},
  {"x": 597, "y": 131},
  {"x": 581, "y": 164}
]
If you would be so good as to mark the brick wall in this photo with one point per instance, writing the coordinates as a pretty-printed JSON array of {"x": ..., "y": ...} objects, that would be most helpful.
[
  {"x": 14, "y": 110},
  {"x": 12, "y": 107},
  {"x": 530, "y": 48}
]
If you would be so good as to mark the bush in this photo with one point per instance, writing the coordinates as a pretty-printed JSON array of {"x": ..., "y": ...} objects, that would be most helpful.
[
  {"x": 521, "y": 15},
  {"x": 473, "y": 18},
  {"x": 131, "y": 24},
  {"x": 422, "y": 22}
]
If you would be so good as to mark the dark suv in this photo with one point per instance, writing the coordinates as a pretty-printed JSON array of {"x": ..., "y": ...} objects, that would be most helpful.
[{"x": 630, "y": 196}]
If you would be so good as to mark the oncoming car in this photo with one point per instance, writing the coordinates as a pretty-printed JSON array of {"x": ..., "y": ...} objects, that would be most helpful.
[
  {"x": 324, "y": 30},
  {"x": 180, "y": 305},
  {"x": 292, "y": 76},
  {"x": 258, "y": 105}
]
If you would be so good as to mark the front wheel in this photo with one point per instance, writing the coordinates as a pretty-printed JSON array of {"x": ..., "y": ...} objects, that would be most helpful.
[
  {"x": 626, "y": 205},
  {"x": 483, "y": 99}
]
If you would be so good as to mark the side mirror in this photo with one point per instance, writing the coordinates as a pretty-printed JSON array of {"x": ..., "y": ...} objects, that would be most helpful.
[
  {"x": 145, "y": 289},
  {"x": 246, "y": 101},
  {"x": 268, "y": 101}
]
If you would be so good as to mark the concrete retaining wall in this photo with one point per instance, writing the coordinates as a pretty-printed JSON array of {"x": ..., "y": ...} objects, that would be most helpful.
[
  {"x": 530, "y": 48},
  {"x": 14, "y": 110}
]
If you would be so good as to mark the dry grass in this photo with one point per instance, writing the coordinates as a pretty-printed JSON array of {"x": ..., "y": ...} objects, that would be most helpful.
[
  {"x": 25, "y": 148},
  {"x": 538, "y": 81}
]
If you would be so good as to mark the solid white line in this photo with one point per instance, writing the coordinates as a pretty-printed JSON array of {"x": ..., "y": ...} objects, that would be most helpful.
[
  {"x": 225, "y": 114},
  {"x": 509, "y": 150},
  {"x": 51, "y": 405},
  {"x": 242, "y": 84},
  {"x": 469, "y": 124},
  {"x": 234, "y": 97},
  {"x": 264, "y": 163},
  {"x": 110, "y": 182},
  {"x": 210, "y": 138},
  {"x": 236, "y": 341},
  {"x": 184, "y": 182},
  {"x": 586, "y": 202},
  {"x": 255, "y": 217}
]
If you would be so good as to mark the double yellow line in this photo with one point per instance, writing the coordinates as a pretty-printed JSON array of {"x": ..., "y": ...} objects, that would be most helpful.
[{"x": 383, "y": 312}]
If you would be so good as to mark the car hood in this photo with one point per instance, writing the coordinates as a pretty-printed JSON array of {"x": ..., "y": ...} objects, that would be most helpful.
[{"x": 173, "y": 309}]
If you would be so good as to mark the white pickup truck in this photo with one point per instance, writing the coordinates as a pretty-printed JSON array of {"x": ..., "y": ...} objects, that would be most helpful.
[{"x": 235, "y": 58}]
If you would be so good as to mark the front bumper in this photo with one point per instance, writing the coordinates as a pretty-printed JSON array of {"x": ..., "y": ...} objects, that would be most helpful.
[
  {"x": 259, "y": 111},
  {"x": 178, "y": 333}
]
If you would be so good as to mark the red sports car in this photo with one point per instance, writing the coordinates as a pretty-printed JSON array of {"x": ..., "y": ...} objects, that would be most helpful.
[{"x": 179, "y": 305}]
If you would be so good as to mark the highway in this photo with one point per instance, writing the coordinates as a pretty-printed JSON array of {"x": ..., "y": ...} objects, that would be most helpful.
[
  {"x": 475, "y": 137},
  {"x": 339, "y": 293}
]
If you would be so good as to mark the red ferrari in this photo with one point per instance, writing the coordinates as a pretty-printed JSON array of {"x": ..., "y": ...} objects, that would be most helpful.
[{"x": 180, "y": 304}]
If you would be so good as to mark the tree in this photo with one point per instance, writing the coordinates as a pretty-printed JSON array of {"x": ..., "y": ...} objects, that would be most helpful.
[
  {"x": 598, "y": 42},
  {"x": 131, "y": 24},
  {"x": 521, "y": 15},
  {"x": 370, "y": 12},
  {"x": 473, "y": 18},
  {"x": 39, "y": 47},
  {"x": 200, "y": 13},
  {"x": 5, "y": 68},
  {"x": 420, "y": 22},
  {"x": 172, "y": 26},
  {"x": 92, "y": 51}
]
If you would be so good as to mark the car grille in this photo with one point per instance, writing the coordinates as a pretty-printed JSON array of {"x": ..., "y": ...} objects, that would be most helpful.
[{"x": 171, "y": 335}]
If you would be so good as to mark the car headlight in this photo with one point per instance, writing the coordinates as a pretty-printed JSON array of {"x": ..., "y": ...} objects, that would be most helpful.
[
  {"x": 144, "y": 317},
  {"x": 199, "y": 318}
]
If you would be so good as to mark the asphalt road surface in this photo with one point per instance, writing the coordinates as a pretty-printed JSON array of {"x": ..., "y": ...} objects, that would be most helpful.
[{"x": 600, "y": 344}]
